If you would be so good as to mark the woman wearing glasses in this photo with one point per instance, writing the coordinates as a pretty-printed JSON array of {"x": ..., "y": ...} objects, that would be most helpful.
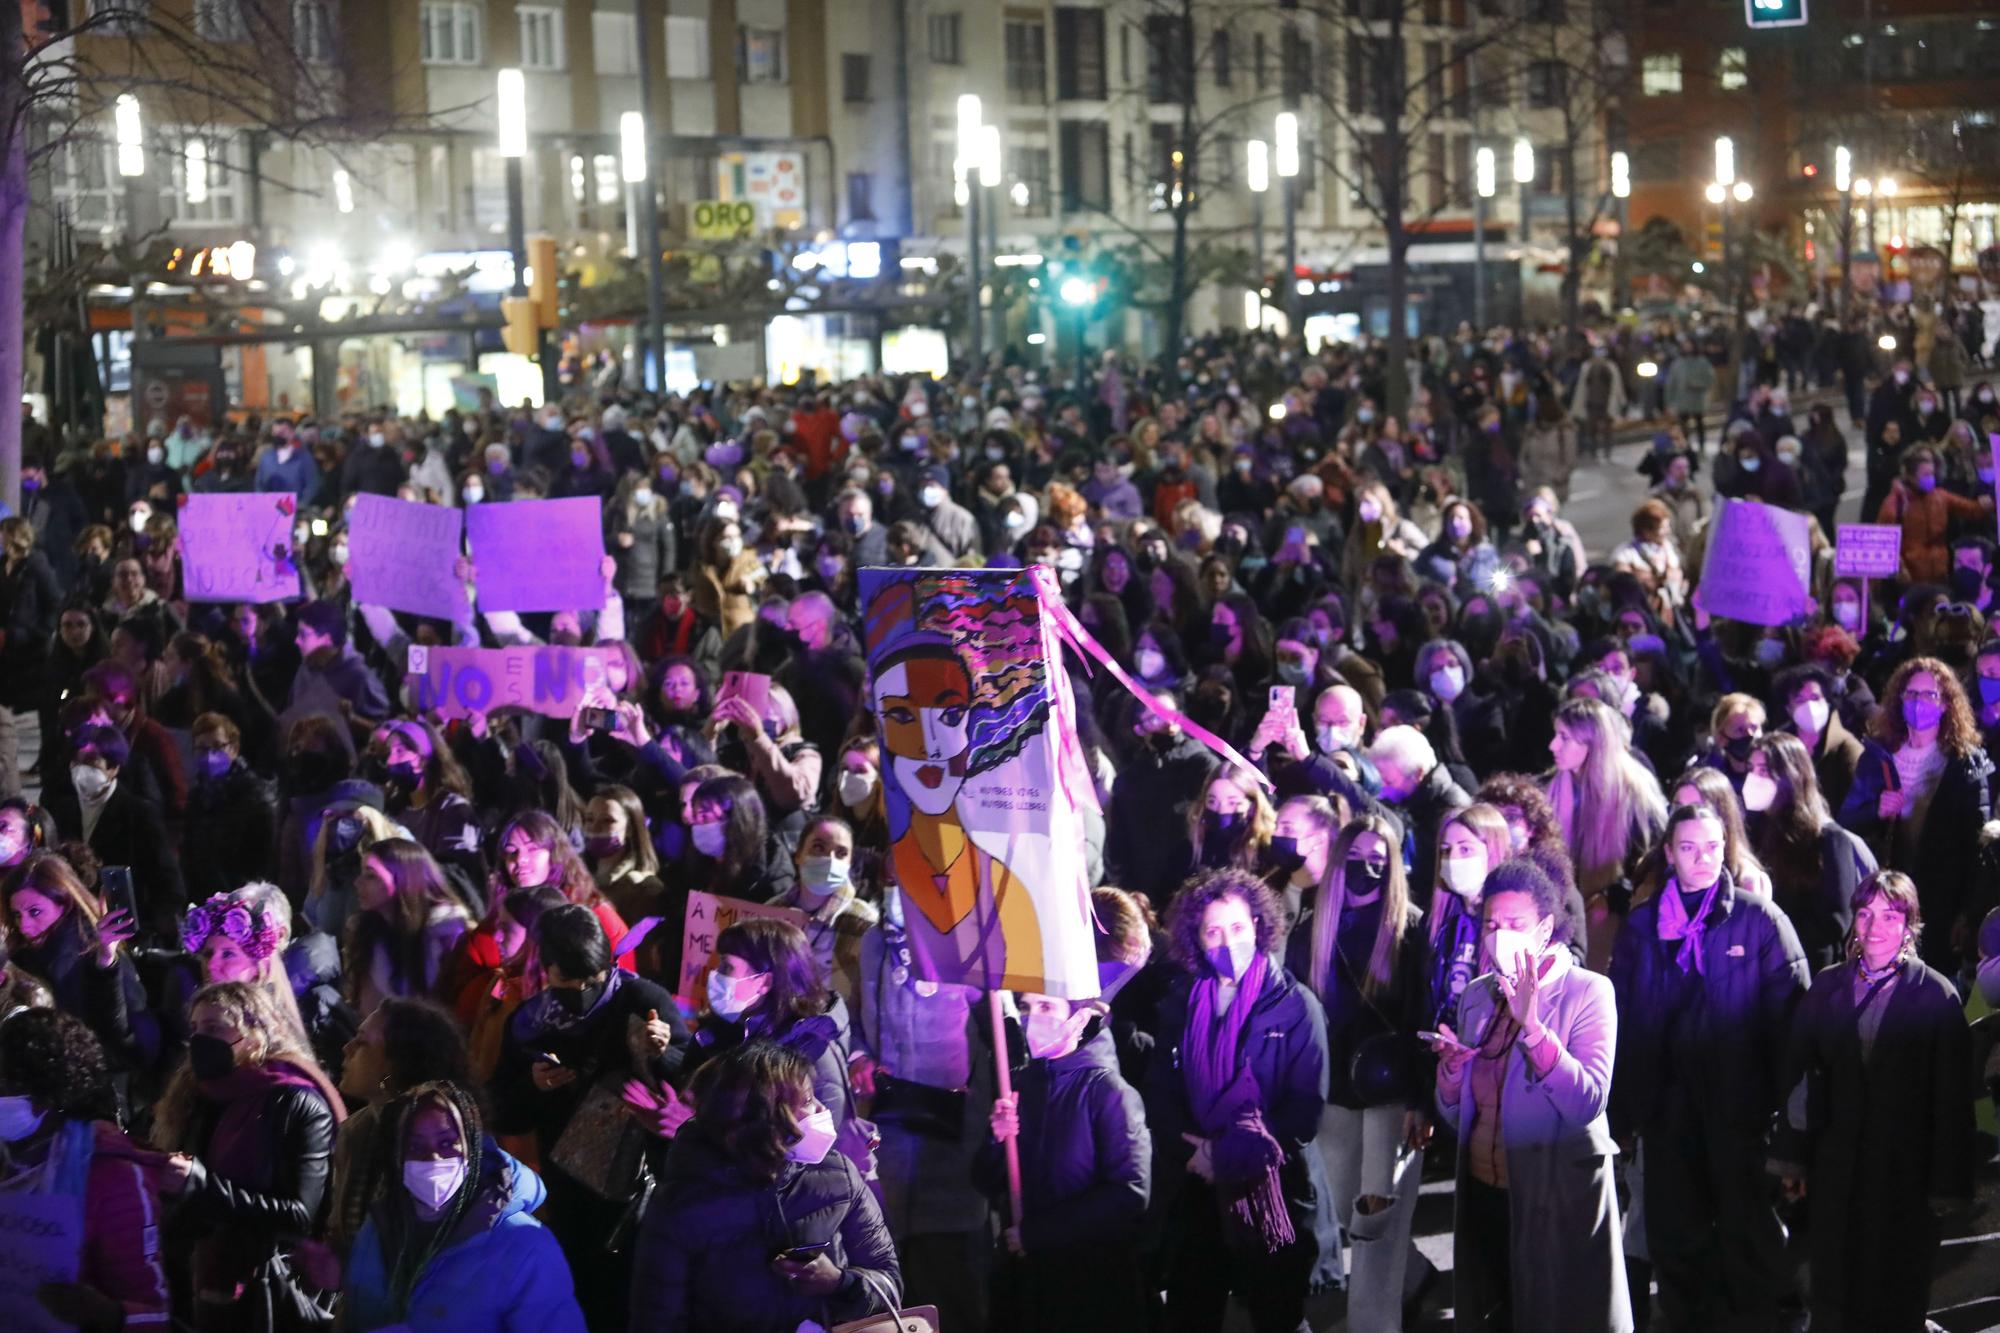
[{"x": 1920, "y": 797}]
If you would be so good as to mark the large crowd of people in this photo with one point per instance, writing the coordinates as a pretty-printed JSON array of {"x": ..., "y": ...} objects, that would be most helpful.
[{"x": 1652, "y": 931}]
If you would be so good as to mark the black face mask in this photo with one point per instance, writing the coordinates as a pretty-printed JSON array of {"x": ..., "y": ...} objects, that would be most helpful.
[
  {"x": 209, "y": 1057},
  {"x": 576, "y": 1001},
  {"x": 1286, "y": 856},
  {"x": 1365, "y": 875},
  {"x": 1966, "y": 583},
  {"x": 1216, "y": 822},
  {"x": 1738, "y": 747}
]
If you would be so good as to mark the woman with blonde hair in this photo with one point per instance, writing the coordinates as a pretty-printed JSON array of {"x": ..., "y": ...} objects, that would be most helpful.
[
  {"x": 241, "y": 936},
  {"x": 1611, "y": 810},
  {"x": 1886, "y": 1141},
  {"x": 1369, "y": 971},
  {"x": 248, "y": 1121},
  {"x": 1470, "y": 844},
  {"x": 1379, "y": 529},
  {"x": 1231, "y": 822},
  {"x": 344, "y": 837}
]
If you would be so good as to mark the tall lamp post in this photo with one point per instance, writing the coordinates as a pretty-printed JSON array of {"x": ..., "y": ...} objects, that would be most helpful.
[
  {"x": 1285, "y": 159},
  {"x": 1721, "y": 190},
  {"x": 1257, "y": 173},
  {"x": 642, "y": 237},
  {"x": 1843, "y": 184},
  {"x": 969, "y": 113},
  {"x": 1524, "y": 177},
  {"x": 130, "y": 132},
  {"x": 1485, "y": 181},
  {"x": 1621, "y": 193},
  {"x": 653, "y": 341},
  {"x": 1078, "y": 294},
  {"x": 989, "y": 205}
]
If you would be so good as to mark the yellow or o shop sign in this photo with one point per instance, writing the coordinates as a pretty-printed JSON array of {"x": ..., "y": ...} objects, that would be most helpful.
[{"x": 723, "y": 219}]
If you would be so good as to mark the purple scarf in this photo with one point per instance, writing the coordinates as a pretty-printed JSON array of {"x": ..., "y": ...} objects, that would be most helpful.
[{"x": 1227, "y": 1106}]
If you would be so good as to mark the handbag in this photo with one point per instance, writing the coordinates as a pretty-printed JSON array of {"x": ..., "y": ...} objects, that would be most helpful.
[
  {"x": 936, "y": 1113},
  {"x": 1379, "y": 1070},
  {"x": 601, "y": 1148},
  {"x": 914, "y": 1319}
]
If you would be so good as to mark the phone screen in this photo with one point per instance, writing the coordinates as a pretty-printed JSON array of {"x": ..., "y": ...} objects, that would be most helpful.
[{"x": 114, "y": 883}]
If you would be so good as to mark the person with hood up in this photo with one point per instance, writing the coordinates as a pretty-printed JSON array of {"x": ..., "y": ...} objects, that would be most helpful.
[
  {"x": 1925, "y": 513},
  {"x": 1086, "y": 1176},
  {"x": 952, "y": 524},
  {"x": 1756, "y": 473},
  {"x": 758, "y": 1224},
  {"x": 454, "y": 1243}
]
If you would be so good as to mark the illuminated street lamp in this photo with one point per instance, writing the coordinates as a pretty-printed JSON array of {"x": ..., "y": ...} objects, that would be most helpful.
[
  {"x": 1257, "y": 174},
  {"x": 1285, "y": 158},
  {"x": 1485, "y": 170}
]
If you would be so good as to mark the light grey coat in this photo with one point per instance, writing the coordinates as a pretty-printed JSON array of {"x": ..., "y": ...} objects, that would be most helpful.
[{"x": 1567, "y": 1265}]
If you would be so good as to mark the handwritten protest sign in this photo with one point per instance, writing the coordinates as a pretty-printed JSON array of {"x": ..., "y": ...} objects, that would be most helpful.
[
  {"x": 1758, "y": 564},
  {"x": 708, "y": 915},
  {"x": 401, "y": 555},
  {"x": 231, "y": 548},
  {"x": 1868, "y": 551},
  {"x": 41, "y": 1240},
  {"x": 457, "y": 682},
  {"x": 539, "y": 555}
]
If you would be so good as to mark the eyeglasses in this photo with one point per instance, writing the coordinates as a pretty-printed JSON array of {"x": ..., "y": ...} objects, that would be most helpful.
[
  {"x": 1927, "y": 696},
  {"x": 1957, "y": 610}
]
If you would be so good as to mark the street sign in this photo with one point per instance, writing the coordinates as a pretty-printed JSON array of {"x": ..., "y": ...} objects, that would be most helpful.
[
  {"x": 722, "y": 220},
  {"x": 1774, "y": 13},
  {"x": 1868, "y": 551}
]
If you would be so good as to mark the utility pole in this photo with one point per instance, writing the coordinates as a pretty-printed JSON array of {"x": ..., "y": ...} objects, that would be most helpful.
[{"x": 653, "y": 337}]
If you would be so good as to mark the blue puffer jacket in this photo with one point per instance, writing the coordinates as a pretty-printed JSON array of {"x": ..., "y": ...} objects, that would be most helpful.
[{"x": 502, "y": 1272}]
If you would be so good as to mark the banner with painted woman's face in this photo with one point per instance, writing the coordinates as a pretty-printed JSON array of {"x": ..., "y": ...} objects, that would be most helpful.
[{"x": 983, "y": 775}]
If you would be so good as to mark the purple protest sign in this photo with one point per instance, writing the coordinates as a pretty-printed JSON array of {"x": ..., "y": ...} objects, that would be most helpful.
[
  {"x": 237, "y": 548},
  {"x": 539, "y": 555},
  {"x": 1759, "y": 563},
  {"x": 401, "y": 555}
]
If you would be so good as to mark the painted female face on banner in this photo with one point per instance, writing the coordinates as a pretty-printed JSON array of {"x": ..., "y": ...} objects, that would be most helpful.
[{"x": 924, "y": 705}]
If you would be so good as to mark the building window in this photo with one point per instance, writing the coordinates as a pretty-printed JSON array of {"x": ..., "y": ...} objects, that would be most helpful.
[
  {"x": 450, "y": 32},
  {"x": 608, "y": 182},
  {"x": 1660, "y": 74},
  {"x": 1732, "y": 69},
  {"x": 1029, "y": 190},
  {"x": 1437, "y": 173},
  {"x": 220, "y": 21},
  {"x": 1167, "y": 61},
  {"x": 1548, "y": 84},
  {"x": 1222, "y": 52},
  {"x": 760, "y": 55},
  {"x": 854, "y": 71},
  {"x": 1027, "y": 62},
  {"x": 541, "y": 37},
  {"x": 1260, "y": 62},
  {"x": 1434, "y": 78},
  {"x": 1080, "y": 54},
  {"x": 312, "y": 30},
  {"x": 860, "y": 196},
  {"x": 1297, "y": 55},
  {"x": 1656, "y": 160},
  {"x": 614, "y": 44},
  {"x": 1086, "y": 166},
  {"x": 220, "y": 183},
  {"x": 87, "y": 180},
  {"x": 687, "y": 48},
  {"x": 120, "y": 16},
  {"x": 944, "y": 29}
]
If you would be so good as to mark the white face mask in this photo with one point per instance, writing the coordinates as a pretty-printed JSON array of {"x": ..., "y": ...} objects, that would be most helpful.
[
  {"x": 1759, "y": 790},
  {"x": 1331, "y": 741},
  {"x": 432, "y": 1183},
  {"x": 92, "y": 784},
  {"x": 1152, "y": 663},
  {"x": 1504, "y": 948},
  {"x": 1368, "y": 511},
  {"x": 473, "y": 495},
  {"x": 856, "y": 787},
  {"x": 1048, "y": 1036},
  {"x": 1447, "y": 683},
  {"x": 730, "y": 996},
  {"x": 1811, "y": 715},
  {"x": 709, "y": 838},
  {"x": 18, "y": 1119},
  {"x": 643, "y": 497},
  {"x": 1847, "y": 615},
  {"x": 1465, "y": 875},
  {"x": 824, "y": 875},
  {"x": 816, "y": 1135},
  {"x": 731, "y": 547},
  {"x": 932, "y": 496}
]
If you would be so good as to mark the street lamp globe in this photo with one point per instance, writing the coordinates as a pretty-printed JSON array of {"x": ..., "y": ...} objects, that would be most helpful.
[
  {"x": 1716, "y": 193},
  {"x": 1742, "y": 191},
  {"x": 1076, "y": 292}
]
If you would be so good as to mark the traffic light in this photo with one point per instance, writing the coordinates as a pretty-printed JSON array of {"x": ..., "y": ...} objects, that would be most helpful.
[
  {"x": 1774, "y": 13},
  {"x": 542, "y": 291},
  {"x": 521, "y": 331}
]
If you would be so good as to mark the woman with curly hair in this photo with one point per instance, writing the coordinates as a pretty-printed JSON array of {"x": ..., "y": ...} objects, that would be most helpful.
[
  {"x": 1921, "y": 795},
  {"x": 59, "y": 1137},
  {"x": 248, "y": 1120},
  {"x": 536, "y": 850},
  {"x": 1370, "y": 970},
  {"x": 454, "y": 1242},
  {"x": 756, "y": 1222},
  {"x": 1532, "y": 827},
  {"x": 1235, "y": 1104},
  {"x": 1881, "y": 1045}
]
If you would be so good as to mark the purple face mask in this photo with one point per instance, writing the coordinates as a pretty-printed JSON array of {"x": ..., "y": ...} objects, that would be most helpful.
[{"x": 1922, "y": 714}]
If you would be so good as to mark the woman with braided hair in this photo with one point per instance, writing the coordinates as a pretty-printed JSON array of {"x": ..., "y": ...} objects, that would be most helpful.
[{"x": 456, "y": 1245}]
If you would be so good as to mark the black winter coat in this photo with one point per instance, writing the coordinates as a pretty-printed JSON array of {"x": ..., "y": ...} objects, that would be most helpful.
[
  {"x": 1086, "y": 1176},
  {"x": 1887, "y": 1134},
  {"x": 1713, "y": 1036},
  {"x": 703, "y": 1256},
  {"x": 232, "y": 833},
  {"x": 1146, "y": 848},
  {"x": 29, "y": 600},
  {"x": 1947, "y": 867}
]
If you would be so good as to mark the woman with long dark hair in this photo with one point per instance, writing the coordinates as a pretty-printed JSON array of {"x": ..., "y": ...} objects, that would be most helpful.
[
  {"x": 1921, "y": 797},
  {"x": 409, "y": 923},
  {"x": 62, "y": 936},
  {"x": 729, "y": 840},
  {"x": 536, "y": 850},
  {"x": 1611, "y": 811},
  {"x": 1813, "y": 862},
  {"x": 1234, "y": 1105},
  {"x": 1885, "y": 1141},
  {"x": 453, "y": 1242}
]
